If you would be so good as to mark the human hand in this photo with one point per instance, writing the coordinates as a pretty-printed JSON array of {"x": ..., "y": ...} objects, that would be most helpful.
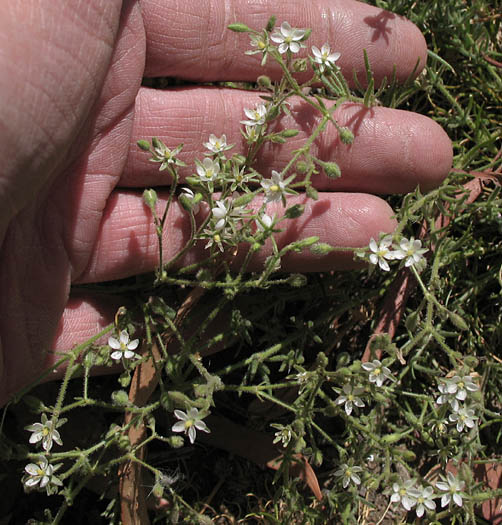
[{"x": 72, "y": 109}]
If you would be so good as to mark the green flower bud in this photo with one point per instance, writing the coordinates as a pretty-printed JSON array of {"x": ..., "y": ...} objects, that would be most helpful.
[
  {"x": 294, "y": 211},
  {"x": 297, "y": 280},
  {"x": 458, "y": 321},
  {"x": 264, "y": 82},
  {"x": 321, "y": 248},
  {"x": 346, "y": 136},
  {"x": 311, "y": 192},
  {"x": 300, "y": 65},
  {"x": 301, "y": 166},
  {"x": 289, "y": 133},
  {"x": 238, "y": 27},
  {"x": 332, "y": 170},
  {"x": 120, "y": 397},
  {"x": 175, "y": 441},
  {"x": 186, "y": 202},
  {"x": 243, "y": 200},
  {"x": 150, "y": 198},
  {"x": 144, "y": 145},
  {"x": 270, "y": 23}
]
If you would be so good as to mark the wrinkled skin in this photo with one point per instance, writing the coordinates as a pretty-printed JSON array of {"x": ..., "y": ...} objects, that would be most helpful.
[{"x": 72, "y": 109}]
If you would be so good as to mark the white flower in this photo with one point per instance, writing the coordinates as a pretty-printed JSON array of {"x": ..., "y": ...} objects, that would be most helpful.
[
  {"x": 283, "y": 435},
  {"x": 349, "y": 474},
  {"x": 220, "y": 213},
  {"x": 44, "y": 432},
  {"x": 123, "y": 347},
  {"x": 447, "y": 395},
  {"x": 461, "y": 386},
  {"x": 453, "y": 487},
  {"x": 424, "y": 500},
  {"x": 208, "y": 169},
  {"x": 189, "y": 421},
  {"x": 378, "y": 373},
  {"x": 217, "y": 145},
  {"x": 288, "y": 38},
  {"x": 404, "y": 493},
  {"x": 256, "y": 116},
  {"x": 188, "y": 193},
  {"x": 349, "y": 398},
  {"x": 265, "y": 221},
  {"x": 324, "y": 57},
  {"x": 42, "y": 474},
  {"x": 381, "y": 253},
  {"x": 260, "y": 42},
  {"x": 274, "y": 187},
  {"x": 252, "y": 133},
  {"x": 465, "y": 417},
  {"x": 411, "y": 251},
  {"x": 216, "y": 238}
]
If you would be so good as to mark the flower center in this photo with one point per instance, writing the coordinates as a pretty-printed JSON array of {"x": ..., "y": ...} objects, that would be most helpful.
[
  {"x": 216, "y": 238},
  {"x": 40, "y": 472},
  {"x": 274, "y": 188}
]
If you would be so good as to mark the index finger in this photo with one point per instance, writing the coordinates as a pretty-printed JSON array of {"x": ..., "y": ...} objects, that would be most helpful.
[{"x": 190, "y": 39}]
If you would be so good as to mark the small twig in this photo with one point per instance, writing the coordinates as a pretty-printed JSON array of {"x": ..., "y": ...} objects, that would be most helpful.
[{"x": 492, "y": 61}]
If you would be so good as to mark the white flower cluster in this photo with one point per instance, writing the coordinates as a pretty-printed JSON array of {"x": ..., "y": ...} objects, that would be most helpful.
[
  {"x": 41, "y": 474},
  {"x": 411, "y": 494},
  {"x": 455, "y": 392},
  {"x": 409, "y": 251}
]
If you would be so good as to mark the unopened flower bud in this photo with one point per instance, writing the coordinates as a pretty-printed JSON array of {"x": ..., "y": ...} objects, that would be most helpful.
[
  {"x": 289, "y": 133},
  {"x": 294, "y": 211},
  {"x": 120, "y": 397},
  {"x": 238, "y": 27},
  {"x": 346, "y": 136},
  {"x": 144, "y": 145},
  {"x": 264, "y": 82},
  {"x": 300, "y": 65},
  {"x": 332, "y": 170},
  {"x": 321, "y": 248},
  {"x": 150, "y": 198},
  {"x": 297, "y": 280}
]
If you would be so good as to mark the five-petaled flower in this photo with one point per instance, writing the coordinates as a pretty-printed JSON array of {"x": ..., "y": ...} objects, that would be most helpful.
[
  {"x": 377, "y": 372},
  {"x": 189, "y": 423},
  {"x": 123, "y": 348},
  {"x": 45, "y": 432},
  {"x": 464, "y": 417},
  {"x": 380, "y": 252},
  {"x": 405, "y": 493},
  {"x": 217, "y": 145},
  {"x": 350, "y": 398},
  {"x": 348, "y": 474},
  {"x": 453, "y": 488},
  {"x": 288, "y": 38},
  {"x": 424, "y": 500},
  {"x": 412, "y": 252},
  {"x": 324, "y": 57},
  {"x": 461, "y": 386},
  {"x": 274, "y": 187},
  {"x": 42, "y": 474},
  {"x": 256, "y": 116},
  {"x": 208, "y": 169}
]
